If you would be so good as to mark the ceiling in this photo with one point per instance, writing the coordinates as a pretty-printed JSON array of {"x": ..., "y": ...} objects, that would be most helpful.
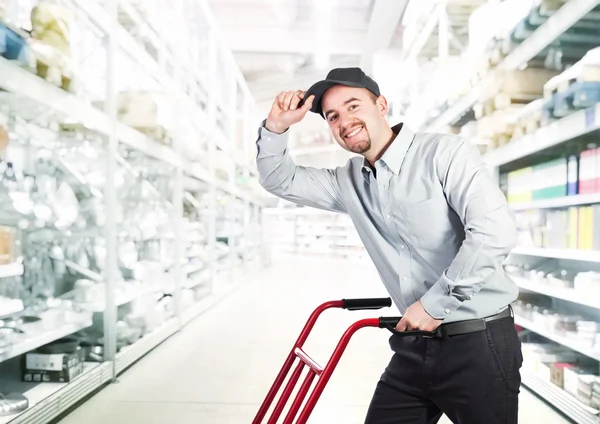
[{"x": 290, "y": 44}]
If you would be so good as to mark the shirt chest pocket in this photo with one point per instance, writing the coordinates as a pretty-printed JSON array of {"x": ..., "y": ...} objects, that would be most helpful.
[{"x": 426, "y": 223}]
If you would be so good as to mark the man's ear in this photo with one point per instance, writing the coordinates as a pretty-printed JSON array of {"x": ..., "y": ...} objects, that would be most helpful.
[{"x": 382, "y": 105}]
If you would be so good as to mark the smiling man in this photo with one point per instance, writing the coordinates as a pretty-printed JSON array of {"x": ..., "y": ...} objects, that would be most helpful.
[{"x": 437, "y": 228}]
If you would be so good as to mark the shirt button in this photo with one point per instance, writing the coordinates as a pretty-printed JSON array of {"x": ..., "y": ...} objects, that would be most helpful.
[
  {"x": 447, "y": 311},
  {"x": 388, "y": 216},
  {"x": 403, "y": 247}
]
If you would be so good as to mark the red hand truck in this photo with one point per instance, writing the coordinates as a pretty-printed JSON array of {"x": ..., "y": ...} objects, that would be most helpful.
[{"x": 324, "y": 373}]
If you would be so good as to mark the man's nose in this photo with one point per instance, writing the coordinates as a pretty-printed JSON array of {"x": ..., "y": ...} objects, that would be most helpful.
[{"x": 346, "y": 121}]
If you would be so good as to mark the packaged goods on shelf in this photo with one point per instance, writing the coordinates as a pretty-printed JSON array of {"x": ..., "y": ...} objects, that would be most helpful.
[
  {"x": 576, "y": 88},
  {"x": 595, "y": 399},
  {"x": 521, "y": 85},
  {"x": 14, "y": 45},
  {"x": 587, "y": 283},
  {"x": 152, "y": 113},
  {"x": 572, "y": 330},
  {"x": 55, "y": 363},
  {"x": 576, "y": 227},
  {"x": 527, "y": 119},
  {"x": 51, "y": 43},
  {"x": 537, "y": 356},
  {"x": 542, "y": 181}
]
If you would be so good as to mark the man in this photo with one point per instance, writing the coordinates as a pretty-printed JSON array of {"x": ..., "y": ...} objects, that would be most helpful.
[{"x": 437, "y": 228}]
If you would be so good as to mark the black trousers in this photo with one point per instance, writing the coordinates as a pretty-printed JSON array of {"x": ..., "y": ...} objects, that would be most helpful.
[{"x": 473, "y": 378}]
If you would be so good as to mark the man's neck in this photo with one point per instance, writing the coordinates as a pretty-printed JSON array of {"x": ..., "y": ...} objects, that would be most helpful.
[{"x": 375, "y": 154}]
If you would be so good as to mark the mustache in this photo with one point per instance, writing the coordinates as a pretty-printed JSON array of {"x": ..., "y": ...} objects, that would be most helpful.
[{"x": 351, "y": 128}]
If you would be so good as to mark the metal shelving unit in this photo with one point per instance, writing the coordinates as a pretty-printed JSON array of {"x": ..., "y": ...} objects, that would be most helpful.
[
  {"x": 560, "y": 399},
  {"x": 566, "y": 129},
  {"x": 557, "y": 292},
  {"x": 44, "y": 337},
  {"x": 558, "y": 202},
  {"x": 567, "y": 16},
  {"x": 169, "y": 72},
  {"x": 50, "y": 400},
  {"x": 557, "y": 338},
  {"x": 568, "y": 254}
]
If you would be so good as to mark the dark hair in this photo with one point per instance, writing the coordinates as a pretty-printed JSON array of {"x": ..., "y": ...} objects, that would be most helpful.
[{"x": 373, "y": 97}]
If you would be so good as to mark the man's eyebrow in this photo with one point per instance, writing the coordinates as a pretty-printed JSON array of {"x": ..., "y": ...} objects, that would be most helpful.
[{"x": 353, "y": 99}]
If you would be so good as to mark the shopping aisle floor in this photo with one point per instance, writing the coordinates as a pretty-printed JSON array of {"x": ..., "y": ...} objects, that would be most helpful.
[{"x": 218, "y": 369}]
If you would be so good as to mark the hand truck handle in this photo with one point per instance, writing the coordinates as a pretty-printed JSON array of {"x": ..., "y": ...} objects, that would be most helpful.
[
  {"x": 358, "y": 304},
  {"x": 391, "y": 322}
]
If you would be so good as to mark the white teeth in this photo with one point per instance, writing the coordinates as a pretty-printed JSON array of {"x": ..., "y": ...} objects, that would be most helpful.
[{"x": 353, "y": 133}]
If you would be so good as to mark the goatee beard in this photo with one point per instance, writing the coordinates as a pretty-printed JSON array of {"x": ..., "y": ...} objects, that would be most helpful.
[{"x": 361, "y": 147}]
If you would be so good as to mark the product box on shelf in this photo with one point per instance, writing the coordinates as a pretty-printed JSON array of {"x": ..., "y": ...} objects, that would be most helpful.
[
  {"x": 52, "y": 361},
  {"x": 550, "y": 179},
  {"x": 576, "y": 88},
  {"x": 585, "y": 388},
  {"x": 52, "y": 364},
  {"x": 573, "y": 375},
  {"x": 572, "y": 175},
  {"x": 63, "y": 376},
  {"x": 588, "y": 173},
  {"x": 557, "y": 373}
]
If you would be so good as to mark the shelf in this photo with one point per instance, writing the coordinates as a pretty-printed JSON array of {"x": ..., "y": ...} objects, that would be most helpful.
[
  {"x": 557, "y": 24},
  {"x": 560, "y": 399},
  {"x": 558, "y": 202},
  {"x": 130, "y": 46},
  {"x": 454, "y": 112},
  {"x": 557, "y": 292},
  {"x": 122, "y": 298},
  {"x": 560, "y": 21},
  {"x": 575, "y": 125},
  {"x": 557, "y": 338},
  {"x": 30, "y": 343},
  {"x": 20, "y": 81},
  {"x": 131, "y": 354},
  {"x": 49, "y": 400},
  {"x": 568, "y": 254},
  {"x": 11, "y": 270}
]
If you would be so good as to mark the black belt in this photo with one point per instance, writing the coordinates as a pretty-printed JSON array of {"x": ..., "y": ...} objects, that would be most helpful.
[
  {"x": 472, "y": 325},
  {"x": 453, "y": 328}
]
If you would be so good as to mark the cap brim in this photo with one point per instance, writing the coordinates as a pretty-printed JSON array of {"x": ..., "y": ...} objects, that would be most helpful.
[{"x": 319, "y": 88}]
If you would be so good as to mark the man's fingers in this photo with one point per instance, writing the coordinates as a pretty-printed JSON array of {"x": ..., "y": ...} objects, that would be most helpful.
[
  {"x": 402, "y": 325},
  {"x": 308, "y": 103},
  {"x": 288, "y": 100},
  {"x": 295, "y": 100},
  {"x": 279, "y": 100}
]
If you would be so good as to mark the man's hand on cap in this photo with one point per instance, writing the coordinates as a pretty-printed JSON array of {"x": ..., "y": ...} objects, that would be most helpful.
[{"x": 285, "y": 111}]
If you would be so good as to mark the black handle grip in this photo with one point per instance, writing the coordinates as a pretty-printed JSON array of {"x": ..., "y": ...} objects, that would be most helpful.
[
  {"x": 391, "y": 322},
  {"x": 358, "y": 304}
]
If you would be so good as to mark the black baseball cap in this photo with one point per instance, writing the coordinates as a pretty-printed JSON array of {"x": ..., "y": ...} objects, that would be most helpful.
[{"x": 351, "y": 77}]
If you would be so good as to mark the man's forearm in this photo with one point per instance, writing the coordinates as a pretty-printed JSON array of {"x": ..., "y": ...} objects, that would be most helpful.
[{"x": 279, "y": 175}]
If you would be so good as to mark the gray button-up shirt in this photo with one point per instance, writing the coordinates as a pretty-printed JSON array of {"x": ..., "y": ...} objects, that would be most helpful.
[{"x": 436, "y": 225}]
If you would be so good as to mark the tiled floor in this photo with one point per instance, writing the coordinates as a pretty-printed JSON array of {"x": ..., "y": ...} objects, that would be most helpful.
[{"x": 219, "y": 368}]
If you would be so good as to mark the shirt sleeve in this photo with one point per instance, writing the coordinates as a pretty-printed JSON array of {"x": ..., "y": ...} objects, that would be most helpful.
[
  {"x": 280, "y": 176},
  {"x": 490, "y": 227}
]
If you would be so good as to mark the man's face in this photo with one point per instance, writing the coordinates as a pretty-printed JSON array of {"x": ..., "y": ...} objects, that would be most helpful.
[{"x": 353, "y": 116}]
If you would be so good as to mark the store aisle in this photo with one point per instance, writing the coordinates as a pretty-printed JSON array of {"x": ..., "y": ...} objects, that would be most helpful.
[{"x": 218, "y": 369}]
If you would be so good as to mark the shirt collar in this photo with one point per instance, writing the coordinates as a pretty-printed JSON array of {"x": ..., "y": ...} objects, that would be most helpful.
[{"x": 396, "y": 151}]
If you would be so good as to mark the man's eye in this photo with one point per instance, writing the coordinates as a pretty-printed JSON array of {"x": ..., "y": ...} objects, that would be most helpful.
[
  {"x": 352, "y": 107},
  {"x": 332, "y": 118}
]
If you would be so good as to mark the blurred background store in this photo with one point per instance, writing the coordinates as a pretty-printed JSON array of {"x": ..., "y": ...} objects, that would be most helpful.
[{"x": 140, "y": 256}]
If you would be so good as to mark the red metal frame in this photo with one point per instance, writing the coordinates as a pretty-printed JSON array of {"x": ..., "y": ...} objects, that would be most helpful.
[{"x": 315, "y": 370}]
